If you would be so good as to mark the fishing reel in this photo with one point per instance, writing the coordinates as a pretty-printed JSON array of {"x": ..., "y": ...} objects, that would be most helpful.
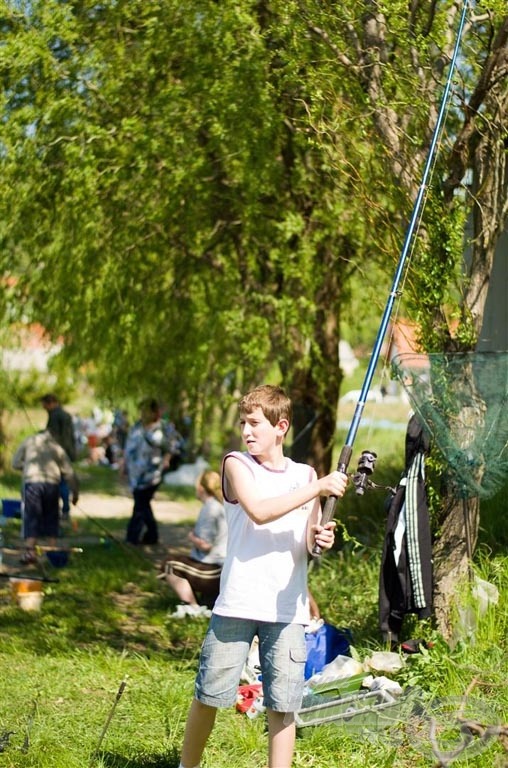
[
  {"x": 361, "y": 478},
  {"x": 365, "y": 468}
]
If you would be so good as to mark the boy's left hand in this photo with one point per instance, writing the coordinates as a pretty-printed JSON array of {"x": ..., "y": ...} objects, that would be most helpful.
[{"x": 324, "y": 536}]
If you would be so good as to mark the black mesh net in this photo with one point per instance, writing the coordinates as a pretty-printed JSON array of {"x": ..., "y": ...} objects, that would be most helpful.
[{"x": 462, "y": 399}]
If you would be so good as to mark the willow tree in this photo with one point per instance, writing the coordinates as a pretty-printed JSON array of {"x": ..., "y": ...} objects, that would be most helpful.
[
  {"x": 113, "y": 191},
  {"x": 188, "y": 188}
]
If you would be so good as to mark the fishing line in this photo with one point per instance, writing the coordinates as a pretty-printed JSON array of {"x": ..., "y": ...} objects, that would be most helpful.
[
  {"x": 129, "y": 549},
  {"x": 347, "y": 449}
]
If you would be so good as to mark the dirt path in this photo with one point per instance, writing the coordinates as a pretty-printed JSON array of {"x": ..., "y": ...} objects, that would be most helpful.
[
  {"x": 104, "y": 506},
  {"x": 174, "y": 519}
]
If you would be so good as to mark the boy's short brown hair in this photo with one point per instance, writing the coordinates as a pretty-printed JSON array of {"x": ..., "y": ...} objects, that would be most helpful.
[{"x": 272, "y": 400}]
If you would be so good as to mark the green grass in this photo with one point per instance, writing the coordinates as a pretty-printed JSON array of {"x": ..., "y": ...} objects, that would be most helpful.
[{"x": 106, "y": 621}]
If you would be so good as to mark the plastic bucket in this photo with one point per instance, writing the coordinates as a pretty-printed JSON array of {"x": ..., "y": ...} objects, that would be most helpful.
[
  {"x": 11, "y": 507},
  {"x": 58, "y": 557},
  {"x": 27, "y": 593},
  {"x": 30, "y": 601}
]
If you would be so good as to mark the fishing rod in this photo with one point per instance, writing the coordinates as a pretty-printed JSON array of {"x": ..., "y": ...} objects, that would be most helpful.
[
  {"x": 28, "y": 577},
  {"x": 127, "y": 548},
  {"x": 366, "y": 464},
  {"x": 40, "y": 548}
]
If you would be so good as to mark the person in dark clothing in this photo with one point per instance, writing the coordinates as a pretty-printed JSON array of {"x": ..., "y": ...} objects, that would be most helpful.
[
  {"x": 61, "y": 426},
  {"x": 147, "y": 457}
]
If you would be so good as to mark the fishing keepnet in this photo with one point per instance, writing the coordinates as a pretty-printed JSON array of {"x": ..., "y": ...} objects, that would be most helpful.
[{"x": 462, "y": 399}]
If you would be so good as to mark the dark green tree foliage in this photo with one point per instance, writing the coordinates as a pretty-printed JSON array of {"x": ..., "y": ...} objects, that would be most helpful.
[{"x": 191, "y": 190}]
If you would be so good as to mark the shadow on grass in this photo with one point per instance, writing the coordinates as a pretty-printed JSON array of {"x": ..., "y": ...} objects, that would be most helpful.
[
  {"x": 106, "y": 596},
  {"x": 168, "y": 759}
]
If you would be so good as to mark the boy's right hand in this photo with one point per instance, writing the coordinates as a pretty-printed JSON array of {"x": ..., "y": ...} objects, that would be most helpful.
[{"x": 333, "y": 484}]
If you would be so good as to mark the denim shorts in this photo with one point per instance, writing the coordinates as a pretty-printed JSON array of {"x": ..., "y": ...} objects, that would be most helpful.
[{"x": 282, "y": 655}]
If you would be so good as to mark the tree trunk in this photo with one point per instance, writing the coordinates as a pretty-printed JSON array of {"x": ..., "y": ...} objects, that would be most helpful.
[
  {"x": 315, "y": 388},
  {"x": 464, "y": 410},
  {"x": 315, "y": 394},
  {"x": 305, "y": 416},
  {"x": 452, "y": 557}
]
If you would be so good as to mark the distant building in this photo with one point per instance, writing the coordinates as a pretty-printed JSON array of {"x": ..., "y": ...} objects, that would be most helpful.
[
  {"x": 347, "y": 358},
  {"x": 29, "y": 349}
]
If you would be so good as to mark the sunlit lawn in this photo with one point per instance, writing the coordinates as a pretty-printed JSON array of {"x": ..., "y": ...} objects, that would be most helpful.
[{"x": 104, "y": 621}]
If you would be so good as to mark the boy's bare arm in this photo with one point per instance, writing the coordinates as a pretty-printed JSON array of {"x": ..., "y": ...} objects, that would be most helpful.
[{"x": 261, "y": 510}]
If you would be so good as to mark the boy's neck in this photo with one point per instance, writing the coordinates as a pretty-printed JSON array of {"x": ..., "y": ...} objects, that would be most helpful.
[{"x": 273, "y": 459}]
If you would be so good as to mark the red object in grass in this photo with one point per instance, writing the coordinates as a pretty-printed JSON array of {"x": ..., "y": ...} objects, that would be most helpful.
[{"x": 247, "y": 694}]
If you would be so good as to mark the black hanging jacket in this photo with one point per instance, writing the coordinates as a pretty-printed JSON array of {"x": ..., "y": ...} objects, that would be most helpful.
[{"x": 405, "y": 583}]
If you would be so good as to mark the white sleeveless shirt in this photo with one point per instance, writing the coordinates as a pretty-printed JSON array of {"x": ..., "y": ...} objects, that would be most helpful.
[{"x": 264, "y": 576}]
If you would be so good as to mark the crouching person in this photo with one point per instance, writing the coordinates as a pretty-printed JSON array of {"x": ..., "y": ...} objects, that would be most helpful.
[{"x": 44, "y": 464}]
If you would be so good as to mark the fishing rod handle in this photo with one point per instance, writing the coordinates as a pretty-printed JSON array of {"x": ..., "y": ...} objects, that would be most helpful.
[
  {"x": 331, "y": 502},
  {"x": 327, "y": 515}
]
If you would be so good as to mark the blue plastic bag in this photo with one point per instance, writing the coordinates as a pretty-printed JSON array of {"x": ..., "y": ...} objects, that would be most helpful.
[{"x": 324, "y": 645}]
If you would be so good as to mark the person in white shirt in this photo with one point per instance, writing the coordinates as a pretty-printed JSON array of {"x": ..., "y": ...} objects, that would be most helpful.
[
  {"x": 199, "y": 572},
  {"x": 273, "y": 513}
]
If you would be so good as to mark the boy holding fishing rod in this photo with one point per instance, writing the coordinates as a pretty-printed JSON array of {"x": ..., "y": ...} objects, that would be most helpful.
[{"x": 273, "y": 514}]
